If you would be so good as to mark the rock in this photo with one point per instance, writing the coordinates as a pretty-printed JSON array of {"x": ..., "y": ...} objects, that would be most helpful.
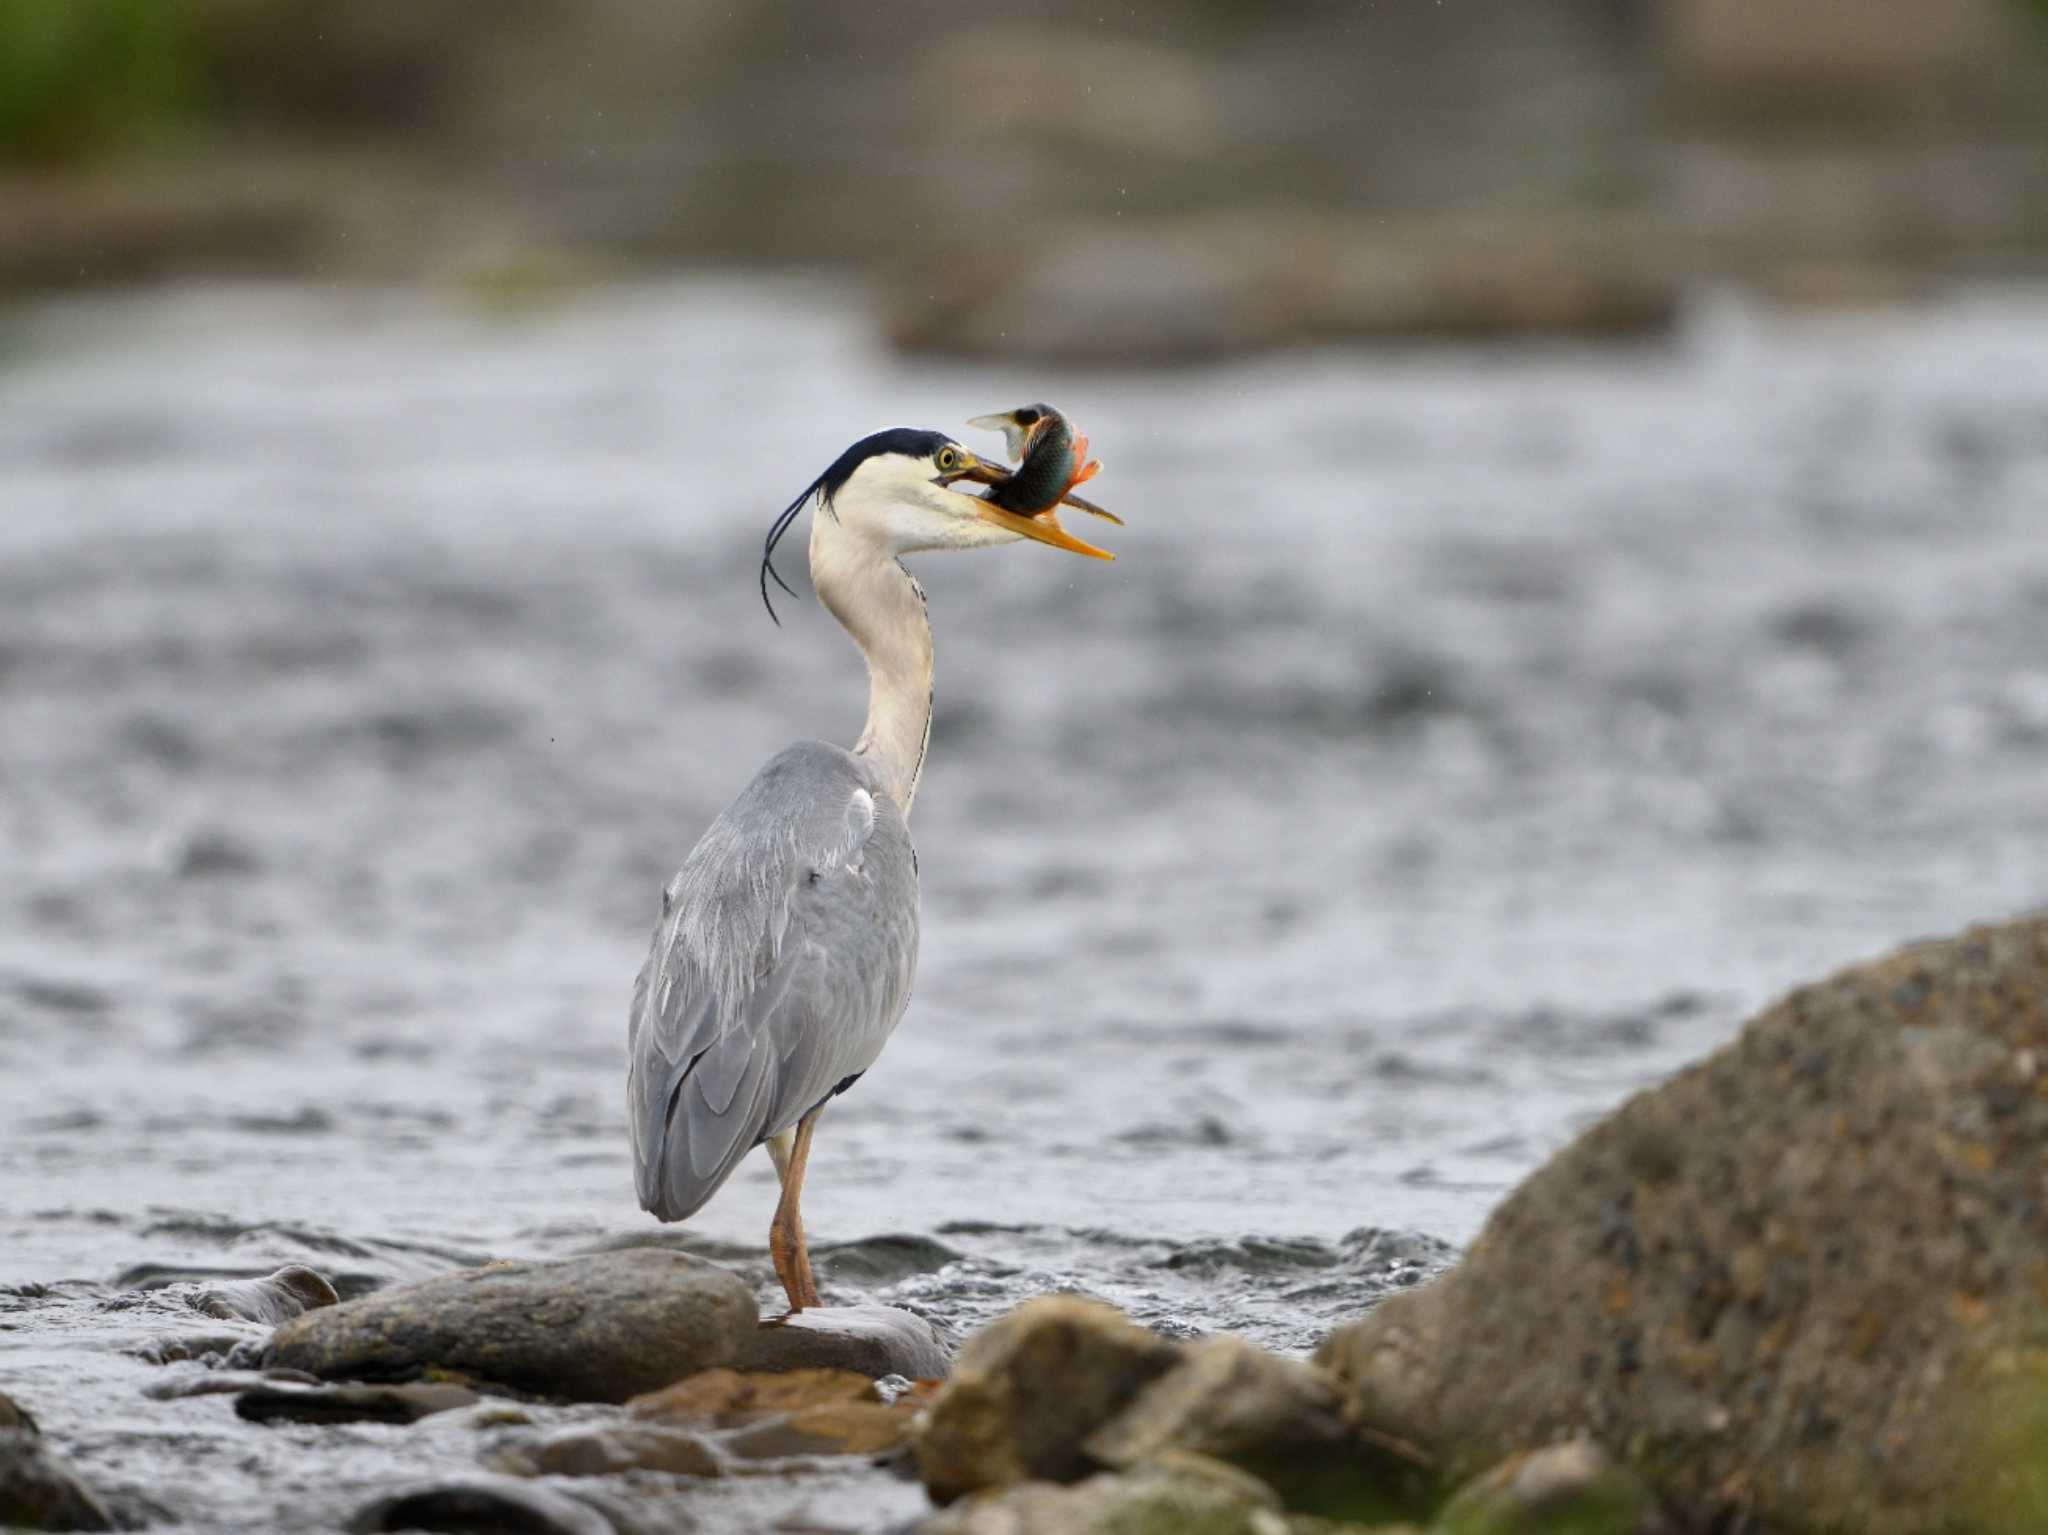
[
  {"x": 1183, "y": 1496},
  {"x": 177, "y": 1348},
  {"x": 1028, "y": 1390},
  {"x": 274, "y": 1298},
  {"x": 1803, "y": 1275},
  {"x": 39, "y": 1492},
  {"x": 14, "y": 1416},
  {"x": 234, "y": 1295},
  {"x": 196, "y": 1380},
  {"x": 795, "y": 1412},
  {"x": 600, "y": 1328},
  {"x": 1573, "y": 1488},
  {"x": 280, "y": 1403},
  {"x": 874, "y": 1340},
  {"x": 1278, "y": 1419},
  {"x": 606, "y": 1449},
  {"x": 482, "y": 1505}
]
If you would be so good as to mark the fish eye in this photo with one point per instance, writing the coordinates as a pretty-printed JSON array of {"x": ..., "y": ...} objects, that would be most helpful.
[{"x": 1027, "y": 416}]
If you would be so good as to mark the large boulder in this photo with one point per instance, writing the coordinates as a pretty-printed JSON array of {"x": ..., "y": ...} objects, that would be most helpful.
[
  {"x": 1802, "y": 1284},
  {"x": 600, "y": 1328}
]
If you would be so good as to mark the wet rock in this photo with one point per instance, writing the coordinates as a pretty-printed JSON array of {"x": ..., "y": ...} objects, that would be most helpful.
[
  {"x": 1028, "y": 1390},
  {"x": 600, "y": 1328},
  {"x": 873, "y": 1340},
  {"x": 1279, "y": 1419},
  {"x": 279, "y": 1402},
  {"x": 39, "y": 1492},
  {"x": 607, "y": 1449},
  {"x": 1802, "y": 1275},
  {"x": 1180, "y": 1496},
  {"x": 482, "y": 1506},
  {"x": 795, "y": 1412},
  {"x": 1568, "y": 1489},
  {"x": 291, "y": 1291},
  {"x": 178, "y": 1348},
  {"x": 197, "y": 1380},
  {"x": 15, "y": 1417}
]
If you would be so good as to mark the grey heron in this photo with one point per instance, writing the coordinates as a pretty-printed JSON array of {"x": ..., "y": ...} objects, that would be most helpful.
[{"x": 786, "y": 945}]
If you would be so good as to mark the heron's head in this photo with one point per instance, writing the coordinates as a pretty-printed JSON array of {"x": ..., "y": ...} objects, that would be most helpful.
[{"x": 904, "y": 491}]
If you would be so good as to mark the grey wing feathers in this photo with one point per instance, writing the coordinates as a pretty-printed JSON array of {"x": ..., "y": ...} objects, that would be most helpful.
[{"x": 782, "y": 961}]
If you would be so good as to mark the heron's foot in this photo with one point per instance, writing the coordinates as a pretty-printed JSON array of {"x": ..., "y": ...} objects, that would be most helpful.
[{"x": 792, "y": 1260}]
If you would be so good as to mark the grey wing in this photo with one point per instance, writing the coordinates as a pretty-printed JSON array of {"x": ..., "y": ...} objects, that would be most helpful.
[{"x": 782, "y": 962}]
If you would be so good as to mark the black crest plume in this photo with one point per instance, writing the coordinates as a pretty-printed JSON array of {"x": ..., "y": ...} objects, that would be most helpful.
[{"x": 908, "y": 441}]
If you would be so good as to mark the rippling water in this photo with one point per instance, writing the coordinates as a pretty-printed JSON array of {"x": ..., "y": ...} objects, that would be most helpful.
[{"x": 1465, "y": 738}]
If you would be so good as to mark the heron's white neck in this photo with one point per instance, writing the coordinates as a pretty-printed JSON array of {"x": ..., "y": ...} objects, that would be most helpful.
[{"x": 877, "y": 602}]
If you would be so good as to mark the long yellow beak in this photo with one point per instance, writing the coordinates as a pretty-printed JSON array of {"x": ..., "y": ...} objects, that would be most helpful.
[{"x": 1044, "y": 527}]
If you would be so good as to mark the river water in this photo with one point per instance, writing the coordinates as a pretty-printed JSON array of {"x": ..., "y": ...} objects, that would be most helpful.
[{"x": 1465, "y": 738}]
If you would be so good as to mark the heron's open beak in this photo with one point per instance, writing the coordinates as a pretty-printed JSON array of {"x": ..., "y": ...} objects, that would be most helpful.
[{"x": 1044, "y": 528}]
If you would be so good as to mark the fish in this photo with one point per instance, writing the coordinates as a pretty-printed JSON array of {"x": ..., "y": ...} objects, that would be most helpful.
[{"x": 1053, "y": 460}]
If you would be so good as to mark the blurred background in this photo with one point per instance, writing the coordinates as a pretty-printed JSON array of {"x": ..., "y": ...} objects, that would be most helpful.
[
  {"x": 1190, "y": 178},
  {"x": 1585, "y": 466}
]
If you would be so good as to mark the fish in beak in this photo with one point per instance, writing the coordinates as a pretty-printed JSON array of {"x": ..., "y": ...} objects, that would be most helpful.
[
  {"x": 1042, "y": 526},
  {"x": 1053, "y": 460}
]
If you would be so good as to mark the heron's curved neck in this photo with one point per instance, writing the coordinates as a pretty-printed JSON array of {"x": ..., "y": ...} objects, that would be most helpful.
[{"x": 877, "y": 602}]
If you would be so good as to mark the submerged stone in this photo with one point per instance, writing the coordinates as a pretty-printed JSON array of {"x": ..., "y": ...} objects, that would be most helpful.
[
  {"x": 274, "y": 1402},
  {"x": 600, "y": 1328}
]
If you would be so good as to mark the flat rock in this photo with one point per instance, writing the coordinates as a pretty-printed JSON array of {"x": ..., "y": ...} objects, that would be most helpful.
[
  {"x": 873, "y": 1340},
  {"x": 785, "y": 1413},
  {"x": 607, "y": 1449},
  {"x": 39, "y": 1492},
  {"x": 1028, "y": 1390},
  {"x": 481, "y": 1504},
  {"x": 189, "y": 1379},
  {"x": 1803, "y": 1275},
  {"x": 277, "y": 1402},
  {"x": 600, "y": 1328}
]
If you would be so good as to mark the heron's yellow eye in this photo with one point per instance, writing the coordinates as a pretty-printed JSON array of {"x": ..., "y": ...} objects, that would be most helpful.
[{"x": 948, "y": 458}]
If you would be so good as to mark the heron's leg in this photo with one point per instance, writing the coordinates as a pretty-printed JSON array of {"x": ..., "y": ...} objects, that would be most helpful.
[
  {"x": 778, "y": 1152},
  {"x": 786, "y": 1247}
]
